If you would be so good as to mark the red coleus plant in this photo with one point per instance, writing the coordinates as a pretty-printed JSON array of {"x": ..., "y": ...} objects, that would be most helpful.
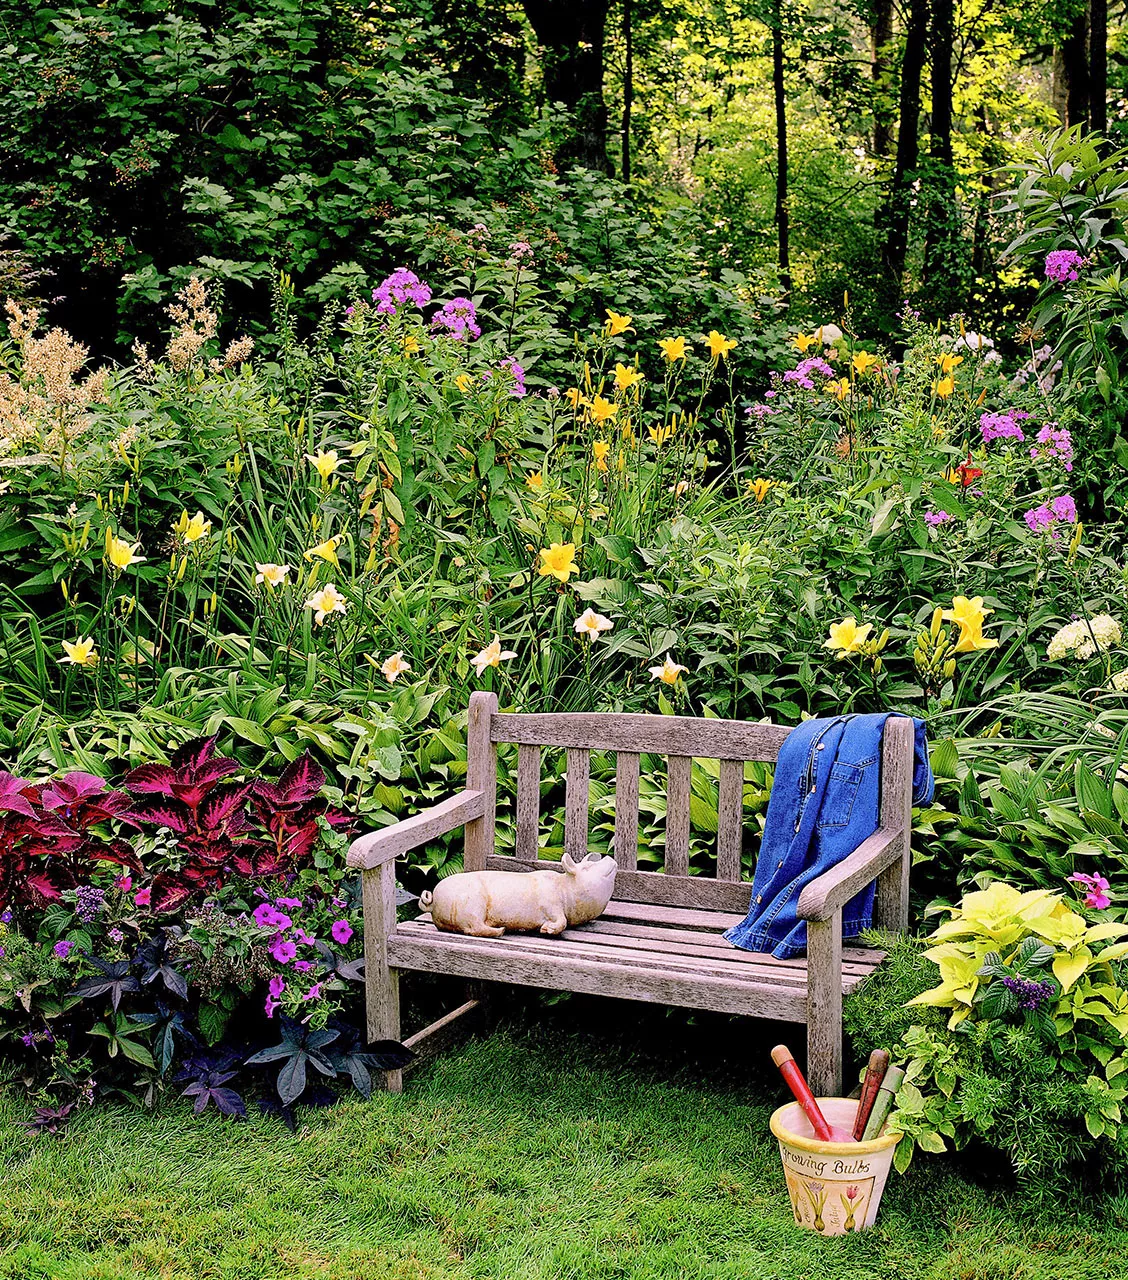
[
  {"x": 49, "y": 837},
  {"x": 216, "y": 831}
]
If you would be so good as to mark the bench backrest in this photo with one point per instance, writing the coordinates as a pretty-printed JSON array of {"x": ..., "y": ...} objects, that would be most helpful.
[{"x": 680, "y": 739}]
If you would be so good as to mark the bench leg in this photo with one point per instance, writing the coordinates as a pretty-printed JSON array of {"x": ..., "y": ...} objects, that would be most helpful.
[
  {"x": 381, "y": 983},
  {"x": 824, "y": 1006}
]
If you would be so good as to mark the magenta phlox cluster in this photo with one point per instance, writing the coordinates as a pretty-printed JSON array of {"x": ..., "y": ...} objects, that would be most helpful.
[
  {"x": 1054, "y": 444},
  {"x": 1064, "y": 265},
  {"x": 1059, "y": 510},
  {"x": 801, "y": 374},
  {"x": 401, "y": 287},
  {"x": 1003, "y": 426},
  {"x": 459, "y": 318}
]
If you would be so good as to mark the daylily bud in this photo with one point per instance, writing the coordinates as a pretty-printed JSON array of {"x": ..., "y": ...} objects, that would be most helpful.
[
  {"x": 937, "y": 618},
  {"x": 882, "y": 641},
  {"x": 125, "y": 493},
  {"x": 877, "y": 665},
  {"x": 183, "y": 569},
  {"x": 949, "y": 668},
  {"x": 65, "y": 589}
]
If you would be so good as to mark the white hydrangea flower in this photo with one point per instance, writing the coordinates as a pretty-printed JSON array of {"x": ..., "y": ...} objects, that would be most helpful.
[
  {"x": 1083, "y": 638},
  {"x": 1120, "y": 681}
]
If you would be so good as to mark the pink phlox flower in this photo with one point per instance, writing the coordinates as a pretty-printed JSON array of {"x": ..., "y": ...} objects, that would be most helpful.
[
  {"x": 1064, "y": 265},
  {"x": 400, "y": 287}
]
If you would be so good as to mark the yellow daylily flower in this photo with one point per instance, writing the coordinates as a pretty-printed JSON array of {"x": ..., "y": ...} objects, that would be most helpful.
[
  {"x": 120, "y": 553},
  {"x": 493, "y": 655},
  {"x": 616, "y": 324},
  {"x": 847, "y": 637},
  {"x": 659, "y": 435},
  {"x": 839, "y": 388},
  {"x": 80, "y": 652},
  {"x": 324, "y": 602},
  {"x": 192, "y": 528},
  {"x": 592, "y": 624},
  {"x": 599, "y": 451},
  {"x": 863, "y": 362},
  {"x": 575, "y": 397},
  {"x": 803, "y": 341},
  {"x": 464, "y": 382},
  {"x": 969, "y": 615},
  {"x": 943, "y": 387},
  {"x": 534, "y": 480},
  {"x": 411, "y": 345},
  {"x": 324, "y": 463},
  {"x": 760, "y": 487},
  {"x": 394, "y": 667},
  {"x": 673, "y": 348},
  {"x": 626, "y": 377},
  {"x": 558, "y": 561},
  {"x": 272, "y": 575},
  {"x": 948, "y": 363},
  {"x": 719, "y": 345},
  {"x": 326, "y": 551},
  {"x": 668, "y": 672},
  {"x": 602, "y": 409}
]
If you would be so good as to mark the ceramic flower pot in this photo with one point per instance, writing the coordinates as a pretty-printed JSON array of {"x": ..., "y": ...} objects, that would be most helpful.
[{"x": 835, "y": 1187}]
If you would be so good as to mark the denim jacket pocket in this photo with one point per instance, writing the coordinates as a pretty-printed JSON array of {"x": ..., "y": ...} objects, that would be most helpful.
[{"x": 841, "y": 790}]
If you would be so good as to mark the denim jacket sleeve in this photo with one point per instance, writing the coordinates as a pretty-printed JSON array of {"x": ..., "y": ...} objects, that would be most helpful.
[{"x": 825, "y": 801}]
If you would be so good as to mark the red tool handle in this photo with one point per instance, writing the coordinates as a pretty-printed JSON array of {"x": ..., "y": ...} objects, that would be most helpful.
[
  {"x": 875, "y": 1073},
  {"x": 789, "y": 1069}
]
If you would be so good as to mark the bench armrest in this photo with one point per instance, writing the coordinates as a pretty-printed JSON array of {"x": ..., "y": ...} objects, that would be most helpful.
[
  {"x": 834, "y": 888},
  {"x": 370, "y": 851}
]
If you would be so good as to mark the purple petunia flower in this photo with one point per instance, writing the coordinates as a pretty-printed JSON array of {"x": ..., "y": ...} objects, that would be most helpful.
[
  {"x": 1064, "y": 265},
  {"x": 295, "y": 904},
  {"x": 63, "y": 949},
  {"x": 303, "y": 966},
  {"x": 267, "y": 916},
  {"x": 283, "y": 950},
  {"x": 6, "y": 916},
  {"x": 400, "y": 287},
  {"x": 341, "y": 931},
  {"x": 1096, "y": 896},
  {"x": 313, "y": 993},
  {"x": 270, "y": 1006},
  {"x": 277, "y": 986}
]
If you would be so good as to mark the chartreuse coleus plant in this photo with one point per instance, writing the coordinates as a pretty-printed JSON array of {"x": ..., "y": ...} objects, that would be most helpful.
[{"x": 1035, "y": 1040}]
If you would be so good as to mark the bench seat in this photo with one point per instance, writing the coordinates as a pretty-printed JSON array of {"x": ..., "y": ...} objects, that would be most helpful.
[{"x": 635, "y": 951}]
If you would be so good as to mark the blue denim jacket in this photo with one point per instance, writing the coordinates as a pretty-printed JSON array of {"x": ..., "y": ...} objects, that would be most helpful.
[{"x": 824, "y": 803}]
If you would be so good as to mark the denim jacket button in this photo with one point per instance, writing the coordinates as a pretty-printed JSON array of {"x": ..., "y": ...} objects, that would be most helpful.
[
  {"x": 760, "y": 896},
  {"x": 821, "y": 746}
]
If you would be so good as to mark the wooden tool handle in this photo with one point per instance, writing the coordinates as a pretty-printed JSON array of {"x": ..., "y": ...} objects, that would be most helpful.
[
  {"x": 789, "y": 1069},
  {"x": 875, "y": 1073}
]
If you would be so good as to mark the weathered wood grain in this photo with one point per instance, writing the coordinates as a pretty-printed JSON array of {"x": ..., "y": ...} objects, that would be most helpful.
[
  {"x": 381, "y": 982},
  {"x": 377, "y": 847},
  {"x": 492, "y": 958},
  {"x": 576, "y": 803},
  {"x": 662, "y": 735},
  {"x": 730, "y": 820},
  {"x": 481, "y": 775},
  {"x": 701, "y": 892},
  {"x": 626, "y": 810},
  {"x": 824, "y": 1006},
  {"x": 679, "y": 773},
  {"x": 528, "y": 801},
  {"x": 891, "y": 901}
]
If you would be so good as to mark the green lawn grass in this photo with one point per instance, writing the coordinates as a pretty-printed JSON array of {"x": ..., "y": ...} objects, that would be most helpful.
[{"x": 637, "y": 1150}]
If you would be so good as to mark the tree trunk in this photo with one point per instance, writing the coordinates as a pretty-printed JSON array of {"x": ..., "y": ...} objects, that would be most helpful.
[
  {"x": 571, "y": 36},
  {"x": 782, "y": 212},
  {"x": 881, "y": 33},
  {"x": 1070, "y": 84},
  {"x": 1098, "y": 66},
  {"x": 628, "y": 89},
  {"x": 895, "y": 214},
  {"x": 941, "y": 271}
]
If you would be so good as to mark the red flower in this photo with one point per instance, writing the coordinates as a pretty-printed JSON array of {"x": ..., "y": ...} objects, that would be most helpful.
[{"x": 967, "y": 473}]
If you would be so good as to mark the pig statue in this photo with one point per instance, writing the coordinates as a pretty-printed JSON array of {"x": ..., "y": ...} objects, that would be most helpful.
[{"x": 485, "y": 904}]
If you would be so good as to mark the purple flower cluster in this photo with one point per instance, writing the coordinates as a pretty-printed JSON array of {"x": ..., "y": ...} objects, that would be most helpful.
[
  {"x": 1063, "y": 265},
  {"x": 288, "y": 937},
  {"x": 63, "y": 949},
  {"x": 517, "y": 373},
  {"x": 400, "y": 287},
  {"x": 88, "y": 902},
  {"x": 1000, "y": 426},
  {"x": 459, "y": 318},
  {"x": 935, "y": 518},
  {"x": 1054, "y": 444},
  {"x": 801, "y": 374},
  {"x": 1031, "y": 992},
  {"x": 760, "y": 411},
  {"x": 1062, "y": 509}
]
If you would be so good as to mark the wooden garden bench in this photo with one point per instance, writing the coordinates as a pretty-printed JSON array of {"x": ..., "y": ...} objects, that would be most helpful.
[{"x": 660, "y": 937}]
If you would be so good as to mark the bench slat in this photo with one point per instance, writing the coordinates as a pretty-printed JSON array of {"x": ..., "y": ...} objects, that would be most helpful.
[
  {"x": 626, "y": 810},
  {"x": 576, "y": 804},
  {"x": 730, "y": 820},
  {"x": 661, "y": 735},
  {"x": 679, "y": 773},
  {"x": 528, "y": 801},
  {"x": 495, "y": 961}
]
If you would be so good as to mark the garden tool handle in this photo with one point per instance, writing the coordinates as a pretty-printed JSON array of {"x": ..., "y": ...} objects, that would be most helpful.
[
  {"x": 875, "y": 1073},
  {"x": 789, "y": 1069}
]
